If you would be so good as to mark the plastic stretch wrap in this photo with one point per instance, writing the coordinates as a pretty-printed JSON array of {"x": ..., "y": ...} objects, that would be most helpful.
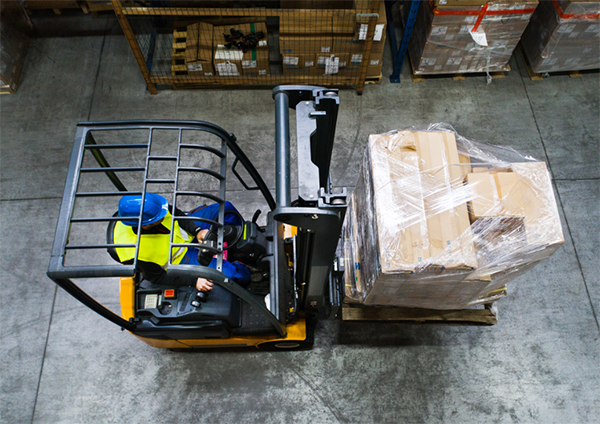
[
  {"x": 442, "y": 222},
  {"x": 466, "y": 38},
  {"x": 563, "y": 36}
]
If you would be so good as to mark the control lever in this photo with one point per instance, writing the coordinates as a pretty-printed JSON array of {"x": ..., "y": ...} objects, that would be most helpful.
[{"x": 200, "y": 297}]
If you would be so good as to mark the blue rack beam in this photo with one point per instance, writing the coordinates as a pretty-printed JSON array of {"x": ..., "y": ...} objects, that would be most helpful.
[{"x": 398, "y": 54}]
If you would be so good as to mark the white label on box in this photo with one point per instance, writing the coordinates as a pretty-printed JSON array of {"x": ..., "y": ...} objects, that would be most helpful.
[
  {"x": 374, "y": 62},
  {"x": 225, "y": 54},
  {"x": 342, "y": 64},
  {"x": 593, "y": 28},
  {"x": 479, "y": 37},
  {"x": 362, "y": 32},
  {"x": 262, "y": 72},
  {"x": 439, "y": 30},
  {"x": 290, "y": 60},
  {"x": 208, "y": 74},
  {"x": 194, "y": 67},
  {"x": 449, "y": 37},
  {"x": 309, "y": 64},
  {"x": 429, "y": 61},
  {"x": 321, "y": 60},
  {"x": 453, "y": 61},
  {"x": 151, "y": 301},
  {"x": 549, "y": 61},
  {"x": 247, "y": 64},
  {"x": 325, "y": 49},
  {"x": 356, "y": 59},
  {"x": 227, "y": 69},
  {"x": 378, "y": 32},
  {"x": 332, "y": 65},
  {"x": 565, "y": 29},
  {"x": 443, "y": 1},
  {"x": 437, "y": 67},
  {"x": 574, "y": 34},
  {"x": 262, "y": 43}
]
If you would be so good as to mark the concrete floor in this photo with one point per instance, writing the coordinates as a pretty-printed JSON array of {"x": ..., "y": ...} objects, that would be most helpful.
[{"x": 61, "y": 363}]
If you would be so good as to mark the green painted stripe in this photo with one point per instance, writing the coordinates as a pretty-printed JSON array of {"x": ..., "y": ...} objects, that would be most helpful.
[
  {"x": 253, "y": 54},
  {"x": 252, "y": 28}
]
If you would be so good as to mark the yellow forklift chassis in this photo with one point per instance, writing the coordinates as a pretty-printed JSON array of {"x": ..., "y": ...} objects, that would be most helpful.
[{"x": 295, "y": 332}]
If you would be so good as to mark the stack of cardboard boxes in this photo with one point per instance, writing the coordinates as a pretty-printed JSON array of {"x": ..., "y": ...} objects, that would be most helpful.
[
  {"x": 426, "y": 228},
  {"x": 564, "y": 35},
  {"x": 459, "y": 36},
  {"x": 329, "y": 45},
  {"x": 206, "y": 53}
]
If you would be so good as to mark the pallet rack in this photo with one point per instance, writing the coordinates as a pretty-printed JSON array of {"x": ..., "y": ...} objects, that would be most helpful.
[{"x": 145, "y": 49}]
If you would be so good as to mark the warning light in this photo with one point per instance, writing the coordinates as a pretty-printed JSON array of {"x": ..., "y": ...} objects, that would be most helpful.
[{"x": 170, "y": 293}]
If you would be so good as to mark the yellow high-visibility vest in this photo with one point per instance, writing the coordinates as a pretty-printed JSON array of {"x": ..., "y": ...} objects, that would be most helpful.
[{"x": 153, "y": 247}]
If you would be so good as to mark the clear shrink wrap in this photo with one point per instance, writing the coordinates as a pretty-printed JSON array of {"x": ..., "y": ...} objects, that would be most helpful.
[
  {"x": 563, "y": 35},
  {"x": 442, "y": 222},
  {"x": 462, "y": 37}
]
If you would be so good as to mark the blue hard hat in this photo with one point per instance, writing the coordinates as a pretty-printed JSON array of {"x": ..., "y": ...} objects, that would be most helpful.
[{"x": 155, "y": 209}]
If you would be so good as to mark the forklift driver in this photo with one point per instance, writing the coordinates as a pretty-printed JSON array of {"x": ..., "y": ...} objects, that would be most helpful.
[{"x": 153, "y": 254}]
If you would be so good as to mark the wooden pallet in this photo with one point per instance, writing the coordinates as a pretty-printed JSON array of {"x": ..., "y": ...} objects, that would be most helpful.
[
  {"x": 178, "y": 57},
  {"x": 373, "y": 80},
  {"x": 458, "y": 77},
  {"x": 486, "y": 314}
]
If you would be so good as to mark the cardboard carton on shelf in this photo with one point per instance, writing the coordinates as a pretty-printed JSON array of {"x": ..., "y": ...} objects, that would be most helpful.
[
  {"x": 305, "y": 44},
  {"x": 234, "y": 62},
  {"x": 199, "y": 49}
]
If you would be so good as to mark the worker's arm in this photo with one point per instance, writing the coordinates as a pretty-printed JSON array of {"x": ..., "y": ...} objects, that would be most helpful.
[{"x": 189, "y": 226}]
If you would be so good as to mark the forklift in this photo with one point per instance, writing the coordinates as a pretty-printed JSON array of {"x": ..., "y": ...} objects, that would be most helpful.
[{"x": 300, "y": 275}]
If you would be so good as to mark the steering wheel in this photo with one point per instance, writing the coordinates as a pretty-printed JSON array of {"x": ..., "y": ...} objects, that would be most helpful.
[{"x": 205, "y": 255}]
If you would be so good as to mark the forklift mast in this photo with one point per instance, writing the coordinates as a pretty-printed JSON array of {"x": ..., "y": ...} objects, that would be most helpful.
[{"x": 318, "y": 213}]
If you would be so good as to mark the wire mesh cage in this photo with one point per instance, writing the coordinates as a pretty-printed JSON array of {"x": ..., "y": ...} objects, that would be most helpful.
[{"x": 194, "y": 44}]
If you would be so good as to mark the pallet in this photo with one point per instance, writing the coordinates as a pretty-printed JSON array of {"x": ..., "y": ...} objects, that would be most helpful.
[
  {"x": 373, "y": 80},
  {"x": 486, "y": 314},
  {"x": 178, "y": 57},
  {"x": 537, "y": 76},
  {"x": 458, "y": 77}
]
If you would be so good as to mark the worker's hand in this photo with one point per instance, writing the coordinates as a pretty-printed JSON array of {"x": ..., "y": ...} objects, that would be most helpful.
[
  {"x": 202, "y": 284},
  {"x": 201, "y": 234}
]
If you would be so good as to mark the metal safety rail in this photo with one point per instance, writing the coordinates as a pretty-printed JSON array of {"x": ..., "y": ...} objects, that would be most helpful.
[{"x": 62, "y": 274}]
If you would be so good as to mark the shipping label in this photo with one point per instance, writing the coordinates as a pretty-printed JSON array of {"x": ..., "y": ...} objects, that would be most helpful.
[
  {"x": 247, "y": 64},
  {"x": 378, "y": 32},
  {"x": 439, "y": 30},
  {"x": 194, "y": 67},
  {"x": 356, "y": 59},
  {"x": 227, "y": 69}
]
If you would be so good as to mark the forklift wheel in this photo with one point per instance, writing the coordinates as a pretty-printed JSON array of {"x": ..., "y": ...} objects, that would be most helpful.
[{"x": 286, "y": 345}]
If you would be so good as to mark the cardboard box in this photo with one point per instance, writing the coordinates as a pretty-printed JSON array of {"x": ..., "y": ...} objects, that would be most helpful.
[
  {"x": 220, "y": 31},
  {"x": 233, "y": 62},
  {"x": 307, "y": 22},
  {"x": 443, "y": 42},
  {"x": 410, "y": 239},
  {"x": 525, "y": 192},
  {"x": 256, "y": 63},
  {"x": 298, "y": 61},
  {"x": 305, "y": 44},
  {"x": 312, "y": 71},
  {"x": 554, "y": 44},
  {"x": 199, "y": 49}
]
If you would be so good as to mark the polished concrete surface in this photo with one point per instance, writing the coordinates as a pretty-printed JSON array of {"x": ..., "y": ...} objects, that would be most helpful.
[{"x": 62, "y": 363}]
